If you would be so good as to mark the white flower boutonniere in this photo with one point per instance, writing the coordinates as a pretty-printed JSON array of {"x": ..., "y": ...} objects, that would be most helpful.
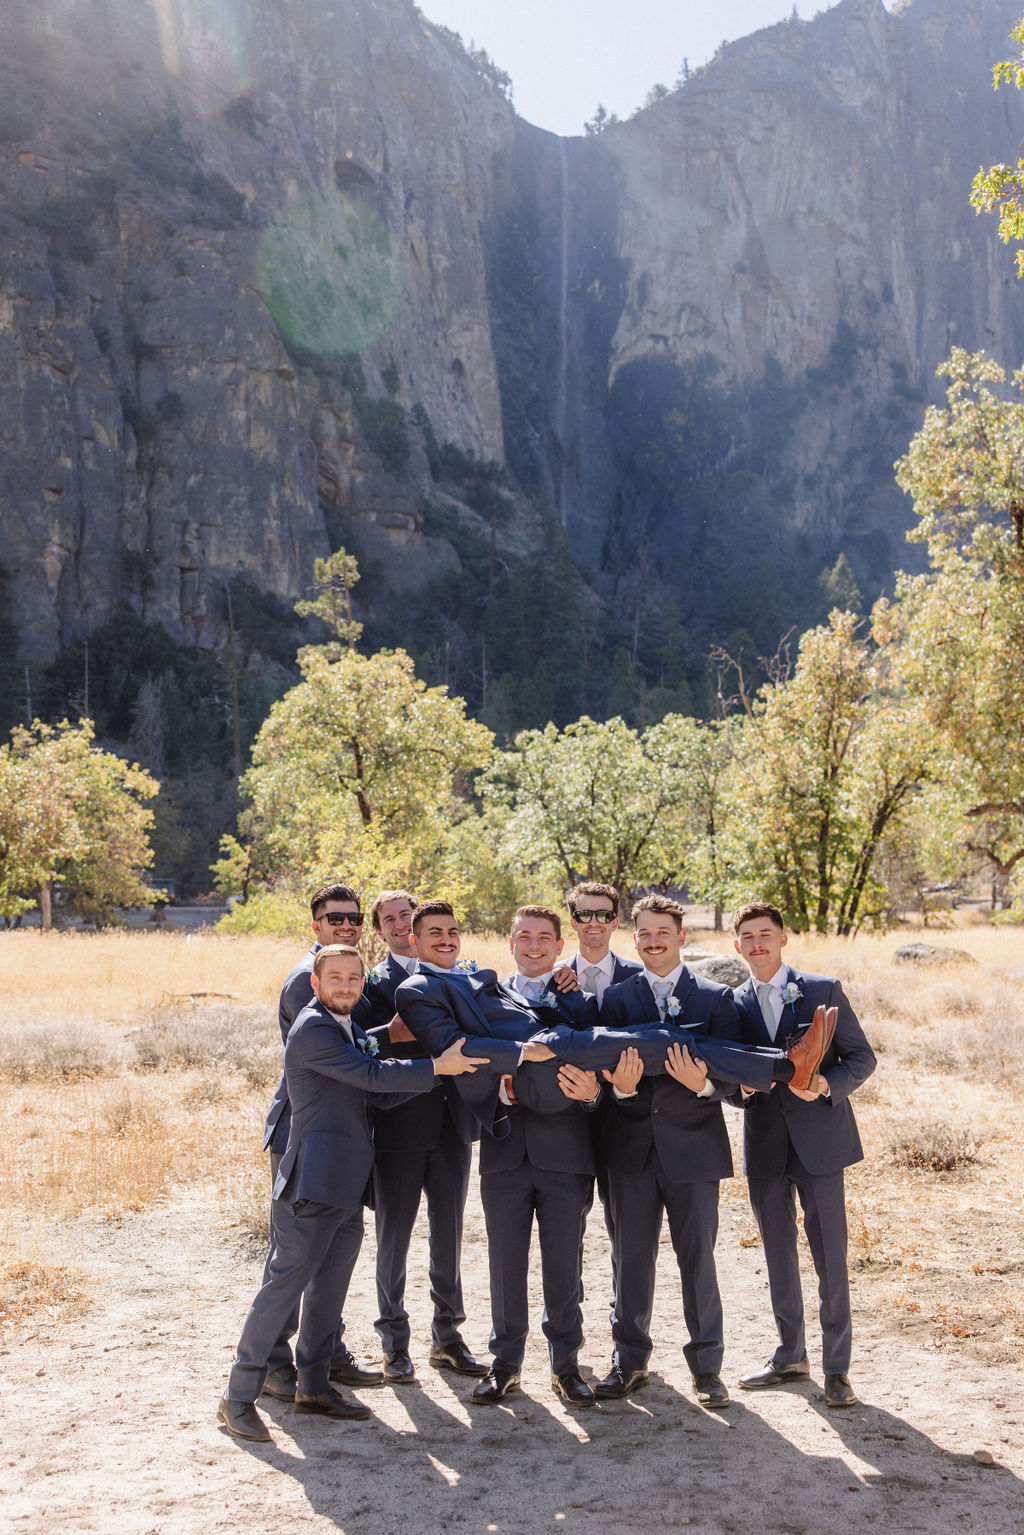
[
  {"x": 376, "y": 974},
  {"x": 547, "y": 999},
  {"x": 368, "y": 1046},
  {"x": 791, "y": 995},
  {"x": 672, "y": 1006},
  {"x": 469, "y": 965}
]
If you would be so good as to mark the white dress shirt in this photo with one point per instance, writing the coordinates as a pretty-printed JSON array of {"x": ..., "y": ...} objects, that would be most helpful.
[{"x": 605, "y": 968}]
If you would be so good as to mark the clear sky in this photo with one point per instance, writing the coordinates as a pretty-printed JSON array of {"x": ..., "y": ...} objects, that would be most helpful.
[{"x": 565, "y": 56}]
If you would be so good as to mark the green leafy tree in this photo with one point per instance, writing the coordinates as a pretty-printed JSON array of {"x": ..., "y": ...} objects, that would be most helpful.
[
  {"x": 828, "y": 768},
  {"x": 72, "y": 813},
  {"x": 698, "y": 758},
  {"x": 586, "y": 802},
  {"x": 957, "y": 632},
  {"x": 359, "y": 767},
  {"x": 1000, "y": 188}
]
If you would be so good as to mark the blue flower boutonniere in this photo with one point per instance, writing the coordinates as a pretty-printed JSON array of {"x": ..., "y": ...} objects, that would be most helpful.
[
  {"x": 470, "y": 966},
  {"x": 368, "y": 1046},
  {"x": 672, "y": 1006},
  {"x": 376, "y": 974},
  {"x": 791, "y": 995},
  {"x": 547, "y": 999}
]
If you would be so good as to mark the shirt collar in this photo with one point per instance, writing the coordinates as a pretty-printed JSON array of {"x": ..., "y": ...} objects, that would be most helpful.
[
  {"x": 519, "y": 981},
  {"x": 407, "y": 961},
  {"x": 778, "y": 979},
  {"x": 672, "y": 976},
  {"x": 606, "y": 966}
]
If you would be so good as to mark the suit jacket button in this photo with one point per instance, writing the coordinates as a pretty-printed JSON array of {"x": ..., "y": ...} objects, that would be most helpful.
[{"x": 655, "y": 1111}]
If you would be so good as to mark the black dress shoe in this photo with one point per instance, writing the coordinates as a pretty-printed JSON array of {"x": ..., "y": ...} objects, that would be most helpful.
[
  {"x": 345, "y": 1369},
  {"x": 711, "y": 1390},
  {"x": 497, "y": 1384},
  {"x": 573, "y": 1389},
  {"x": 776, "y": 1375},
  {"x": 280, "y": 1384},
  {"x": 399, "y": 1369},
  {"x": 456, "y": 1356},
  {"x": 330, "y": 1404},
  {"x": 242, "y": 1420},
  {"x": 620, "y": 1382},
  {"x": 839, "y": 1392}
]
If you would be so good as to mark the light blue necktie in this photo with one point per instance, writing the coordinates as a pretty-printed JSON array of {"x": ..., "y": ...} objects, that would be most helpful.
[{"x": 662, "y": 991}]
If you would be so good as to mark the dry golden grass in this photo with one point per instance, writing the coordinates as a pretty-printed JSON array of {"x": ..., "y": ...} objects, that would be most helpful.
[
  {"x": 119, "y": 1099},
  {"x": 118, "y": 977}
]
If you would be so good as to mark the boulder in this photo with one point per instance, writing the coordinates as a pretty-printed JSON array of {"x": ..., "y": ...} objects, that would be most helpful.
[
  {"x": 725, "y": 969},
  {"x": 929, "y": 954}
]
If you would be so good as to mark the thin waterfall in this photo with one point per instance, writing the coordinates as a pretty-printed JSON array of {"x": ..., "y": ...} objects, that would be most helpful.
[{"x": 561, "y": 390}]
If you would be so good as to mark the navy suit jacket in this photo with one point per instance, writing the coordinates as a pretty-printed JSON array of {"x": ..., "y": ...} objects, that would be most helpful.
[
  {"x": 377, "y": 1004},
  {"x": 296, "y": 993},
  {"x": 687, "y": 1131},
  {"x": 331, "y": 1083},
  {"x": 823, "y": 1133}
]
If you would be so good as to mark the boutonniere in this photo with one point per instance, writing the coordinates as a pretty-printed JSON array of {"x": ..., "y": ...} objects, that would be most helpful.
[
  {"x": 368, "y": 1045},
  {"x": 469, "y": 965},
  {"x": 672, "y": 1006},
  {"x": 791, "y": 995},
  {"x": 376, "y": 974},
  {"x": 547, "y": 999}
]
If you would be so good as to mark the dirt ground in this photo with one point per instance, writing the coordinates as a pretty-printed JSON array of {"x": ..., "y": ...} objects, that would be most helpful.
[{"x": 107, "y": 1420}]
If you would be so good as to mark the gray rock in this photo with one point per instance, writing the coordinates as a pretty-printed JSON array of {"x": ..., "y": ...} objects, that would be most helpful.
[
  {"x": 725, "y": 969},
  {"x": 928, "y": 954}
]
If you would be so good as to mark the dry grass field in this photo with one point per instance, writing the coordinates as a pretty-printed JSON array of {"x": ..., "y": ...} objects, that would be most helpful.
[{"x": 136, "y": 1070}]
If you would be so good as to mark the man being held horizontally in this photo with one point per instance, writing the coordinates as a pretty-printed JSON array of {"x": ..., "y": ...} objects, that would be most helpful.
[
  {"x": 336, "y": 918},
  {"x": 330, "y": 1071},
  {"x": 422, "y": 1147},
  {"x": 797, "y": 1142}
]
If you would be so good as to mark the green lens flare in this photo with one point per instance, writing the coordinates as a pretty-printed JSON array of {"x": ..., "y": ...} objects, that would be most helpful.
[{"x": 328, "y": 273}]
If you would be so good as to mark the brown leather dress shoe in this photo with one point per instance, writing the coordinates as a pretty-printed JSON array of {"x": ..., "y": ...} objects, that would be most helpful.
[
  {"x": 839, "y": 1392},
  {"x": 242, "y": 1420},
  {"x": 620, "y": 1382},
  {"x": 497, "y": 1384},
  {"x": 456, "y": 1356},
  {"x": 330, "y": 1404},
  {"x": 806, "y": 1055},
  {"x": 776, "y": 1375}
]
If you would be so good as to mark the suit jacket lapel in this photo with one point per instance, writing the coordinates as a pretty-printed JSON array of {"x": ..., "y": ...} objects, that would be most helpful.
[{"x": 747, "y": 999}]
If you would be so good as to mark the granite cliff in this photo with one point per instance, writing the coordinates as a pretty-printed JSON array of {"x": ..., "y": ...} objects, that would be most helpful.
[{"x": 276, "y": 276}]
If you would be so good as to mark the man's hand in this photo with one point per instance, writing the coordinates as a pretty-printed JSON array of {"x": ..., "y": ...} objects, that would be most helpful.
[
  {"x": 627, "y": 1073},
  {"x": 809, "y": 1094},
  {"x": 565, "y": 979},
  {"x": 452, "y": 1062},
  {"x": 398, "y": 1033},
  {"x": 533, "y": 1050},
  {"x": 579, "y": 1085},
  {"x": 680, "y": 1064}
]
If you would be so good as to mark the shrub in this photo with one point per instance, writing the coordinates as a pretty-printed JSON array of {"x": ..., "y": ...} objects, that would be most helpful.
[
  {"x": 57, "y": 1052},
  {"x": 932, "y": 1146}
]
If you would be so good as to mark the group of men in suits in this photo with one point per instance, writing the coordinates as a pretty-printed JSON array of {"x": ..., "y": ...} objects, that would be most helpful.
[{"x": 603, "y": 1066}]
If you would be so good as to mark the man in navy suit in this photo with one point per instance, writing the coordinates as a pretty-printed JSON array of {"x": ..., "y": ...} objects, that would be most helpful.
[
  {"x": 536, "y": 1155},
  {"x": 666, "y": 1148},
  {"x": 798, "y": 1143},
  {"x": 336, "y": 918},
  {"x": 594, "y": 916},
  {"x": 332, "y": 1070},
  {"x": 422, "y": 1147}
]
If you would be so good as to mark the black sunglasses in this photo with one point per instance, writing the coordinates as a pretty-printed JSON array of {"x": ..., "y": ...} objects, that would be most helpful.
[
  {"x": 342, "y": 918},
  {"x": 604, "y": 917}
]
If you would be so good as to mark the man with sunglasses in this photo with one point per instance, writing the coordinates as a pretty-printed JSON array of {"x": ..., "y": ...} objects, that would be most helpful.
[
  {"x": 336, "y": 918},
  {"x": 594, "y": 914}
]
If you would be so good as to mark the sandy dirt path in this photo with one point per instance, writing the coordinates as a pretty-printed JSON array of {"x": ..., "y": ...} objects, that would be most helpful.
[{"x": 107, "y": 1422}]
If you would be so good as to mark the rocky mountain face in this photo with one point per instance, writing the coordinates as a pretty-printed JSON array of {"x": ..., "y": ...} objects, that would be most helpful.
[{"x": 282, "y": 274}]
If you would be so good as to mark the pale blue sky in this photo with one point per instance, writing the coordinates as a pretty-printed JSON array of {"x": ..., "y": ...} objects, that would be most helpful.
[{"x": 565, "y": 56}]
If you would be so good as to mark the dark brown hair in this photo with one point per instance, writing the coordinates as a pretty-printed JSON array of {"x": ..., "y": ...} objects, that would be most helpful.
[
  {"x": 758, "y": 909},
  {"x": 330, "y": 893},
  {"x": 542, "y": 913},
  {"x": 663, "y": 905}
]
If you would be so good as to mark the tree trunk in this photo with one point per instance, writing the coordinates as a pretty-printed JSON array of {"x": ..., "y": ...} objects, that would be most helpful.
[{"x": 46, "y": 906}]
